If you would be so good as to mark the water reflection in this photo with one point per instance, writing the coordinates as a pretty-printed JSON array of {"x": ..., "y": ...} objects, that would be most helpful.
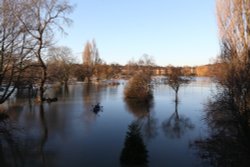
[
  {"x": 61, "y": 91},
  {"x": 228, "y": 141},
  {"x": 176, "y": 125},
  {"x": 134, "y": 152},
  {"x": 53, "y": 91},
  {"x": 92, "y": 95},
  {"x": 44, "y": 133},
  {"x": 17, "y": 146},
  {"x": 142, "y": 111},
  {"x": 68, "y": 132},
  {"x": 10, "y": 154}
]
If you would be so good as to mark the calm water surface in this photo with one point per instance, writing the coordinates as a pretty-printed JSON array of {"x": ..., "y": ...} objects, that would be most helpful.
[{"x": 68, "y": 132}]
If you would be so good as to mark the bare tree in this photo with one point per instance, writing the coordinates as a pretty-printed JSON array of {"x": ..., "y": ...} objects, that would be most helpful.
[
  {"x": 91, "y": 60},
  {"x": 176, "y": 79},
  {"x": 146, "y": 64},
  {"x": 60, "y": 64},
  {"x": 41, "y": 19},
  {"x": 15, "y": 48},
  {"x": 131, "y": 67},
  {"x": 227, "y": 114},
  {"x": 87, "y": 54},
  {"x": 234, "y": 27}
]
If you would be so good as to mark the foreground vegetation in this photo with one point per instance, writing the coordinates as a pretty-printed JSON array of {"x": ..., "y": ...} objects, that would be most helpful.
[{"x": 228, "y": 113}]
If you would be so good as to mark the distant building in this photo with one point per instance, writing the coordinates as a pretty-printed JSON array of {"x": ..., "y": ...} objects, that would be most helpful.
[{"x": 160, "y": 71}]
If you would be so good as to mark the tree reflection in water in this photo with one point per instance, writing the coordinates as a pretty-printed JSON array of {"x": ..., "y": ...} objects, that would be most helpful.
[
  {"x": 134, "y": 152},
  {"x": 91, "y": 96},
  {"x": 44, "y": 134},
  {"x": 145, "y": 117},
  {"x": 10, "y": 154},
  {"x": 61, "y": 91},
  {"x": 18, "y": 148},
  {"x": 228, "y": 143},
  {"x": 176, "y": 125}
]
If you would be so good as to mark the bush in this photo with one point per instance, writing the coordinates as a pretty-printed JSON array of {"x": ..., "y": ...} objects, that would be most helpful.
[{"x": 139, "y": 87}]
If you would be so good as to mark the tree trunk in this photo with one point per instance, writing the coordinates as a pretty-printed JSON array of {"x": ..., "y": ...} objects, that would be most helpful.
[
  {"x": 43, "y": 80},
  {"x": 176, "y": 97}
]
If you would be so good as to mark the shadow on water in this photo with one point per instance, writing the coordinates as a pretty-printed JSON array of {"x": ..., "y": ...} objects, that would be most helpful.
[
  {"x": 142, "y": 111},
  {"x": 176, "y": 125},
  {"x": 134, "y": 152},
  {"x": 228, "y": 144}
]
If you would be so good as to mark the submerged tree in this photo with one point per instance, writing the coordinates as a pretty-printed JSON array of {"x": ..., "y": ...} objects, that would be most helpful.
[
  {"x": 41, "y": 19},
  {"x": 139, "y": 86},
  {"x": 176, "y": 79}
]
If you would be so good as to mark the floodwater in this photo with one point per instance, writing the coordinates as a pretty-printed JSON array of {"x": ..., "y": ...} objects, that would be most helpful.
[{"x": 69, "y": 133}]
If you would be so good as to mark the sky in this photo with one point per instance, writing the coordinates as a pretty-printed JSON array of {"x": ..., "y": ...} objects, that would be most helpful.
[{"x": 176, "y": 32}]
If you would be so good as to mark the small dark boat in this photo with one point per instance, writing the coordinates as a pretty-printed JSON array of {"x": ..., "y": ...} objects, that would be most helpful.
[
  {"x": 97, "y": 108},
  {"x": 49, "y": 100}
]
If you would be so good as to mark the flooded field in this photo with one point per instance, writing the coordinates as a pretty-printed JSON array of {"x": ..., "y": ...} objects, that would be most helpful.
[{"x": 69, "y": 133}]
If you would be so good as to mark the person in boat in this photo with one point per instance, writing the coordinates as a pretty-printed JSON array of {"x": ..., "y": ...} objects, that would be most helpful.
[{"x": 97, "y": 108}]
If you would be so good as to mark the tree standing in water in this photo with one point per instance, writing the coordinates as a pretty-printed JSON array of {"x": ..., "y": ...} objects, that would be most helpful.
[
  {"x": 41, "y": 19},
  {"x": 176, "y": 79},
  {"x": 139, "y": 86}
]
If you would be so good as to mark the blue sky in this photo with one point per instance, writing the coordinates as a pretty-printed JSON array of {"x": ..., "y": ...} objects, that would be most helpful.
[{"x": 177, "y": 32}]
